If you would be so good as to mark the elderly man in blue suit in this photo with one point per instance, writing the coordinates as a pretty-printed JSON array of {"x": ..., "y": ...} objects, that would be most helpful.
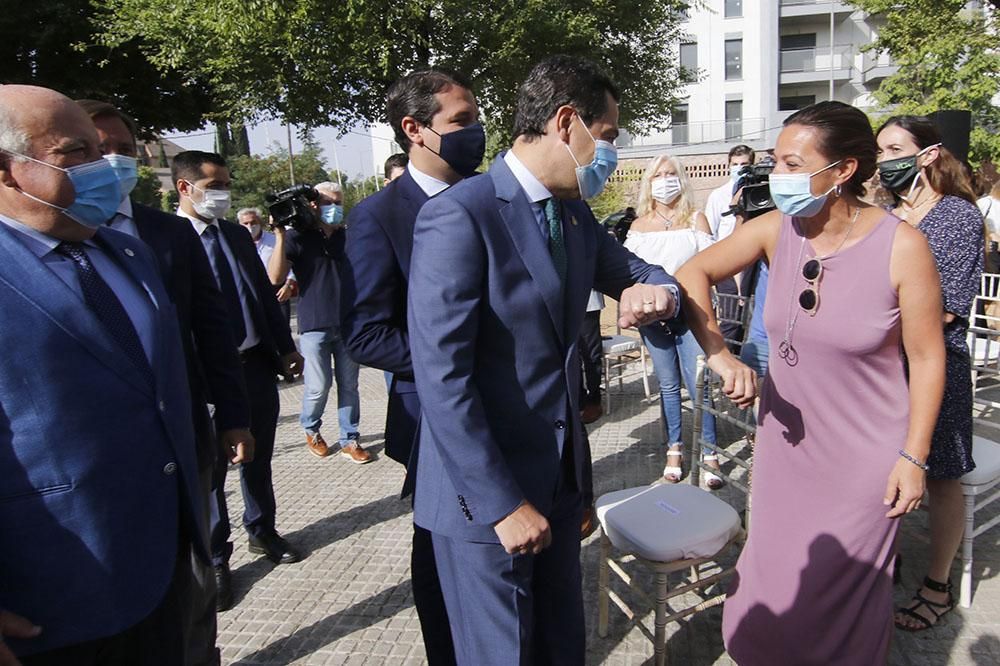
[
  {"x": 99, "y": 488},
  {"x": 436, "y": 120},
  {"x": 502, "y": 267}
]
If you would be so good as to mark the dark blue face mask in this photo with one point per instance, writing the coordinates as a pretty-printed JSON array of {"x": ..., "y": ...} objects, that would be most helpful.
[{"x": 462, "y": 149}]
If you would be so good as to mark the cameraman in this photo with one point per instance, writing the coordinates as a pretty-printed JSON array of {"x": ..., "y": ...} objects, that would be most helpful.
[
  {"x": 312, "y": 251},
  {"x": 719, "y": 200}
]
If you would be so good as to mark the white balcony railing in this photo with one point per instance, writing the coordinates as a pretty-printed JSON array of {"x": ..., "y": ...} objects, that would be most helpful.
[{"x": 817, "y": 58}]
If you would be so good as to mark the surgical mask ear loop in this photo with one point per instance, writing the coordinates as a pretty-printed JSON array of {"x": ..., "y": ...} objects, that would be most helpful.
[{"x": 920, "y": 172}]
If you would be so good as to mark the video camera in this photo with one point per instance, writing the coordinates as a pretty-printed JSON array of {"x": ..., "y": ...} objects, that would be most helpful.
[
  {"x": 755, "y": 199},
  {"x": 291, "y": 207}
]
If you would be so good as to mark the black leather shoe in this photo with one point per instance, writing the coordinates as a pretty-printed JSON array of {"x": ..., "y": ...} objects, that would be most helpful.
[
  {"x": 277, "y": 549},
  {"x": 223, "y": 588}
]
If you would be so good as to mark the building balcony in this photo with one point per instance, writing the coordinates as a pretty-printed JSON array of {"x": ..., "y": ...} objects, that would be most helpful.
[
  {"x": 686, "y": 134},
  {"x": 791, "y": 8},
  {"x": 815, "y": 64}
]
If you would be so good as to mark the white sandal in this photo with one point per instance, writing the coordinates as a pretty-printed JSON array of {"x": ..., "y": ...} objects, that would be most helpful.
[
  {"x": 672, "y": 473},
  {"x": 713, "y": 481}
]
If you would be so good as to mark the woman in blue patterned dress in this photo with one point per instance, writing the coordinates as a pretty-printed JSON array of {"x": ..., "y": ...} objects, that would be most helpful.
[{"x": 933, "y": 193}]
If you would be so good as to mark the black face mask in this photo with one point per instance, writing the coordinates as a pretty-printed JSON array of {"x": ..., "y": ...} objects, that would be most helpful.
[
  {"x": 463, "y": 149},
  {"x": 896, "y": 175}
]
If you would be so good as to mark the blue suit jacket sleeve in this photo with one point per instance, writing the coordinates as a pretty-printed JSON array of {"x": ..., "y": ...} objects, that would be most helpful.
[
  {"x": 448, "y": 268},
  {"x": 373, "y": 322},
  {"x": 618, "y": 269}
]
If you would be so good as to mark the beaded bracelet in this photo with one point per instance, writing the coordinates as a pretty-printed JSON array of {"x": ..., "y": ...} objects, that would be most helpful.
[{"x": 914, "y": 460}]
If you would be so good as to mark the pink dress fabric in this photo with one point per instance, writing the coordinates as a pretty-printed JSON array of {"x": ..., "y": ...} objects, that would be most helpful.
[{"x": 814, "y": 583}]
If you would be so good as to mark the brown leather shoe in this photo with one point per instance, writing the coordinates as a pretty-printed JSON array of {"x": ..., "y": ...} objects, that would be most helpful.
[
  {"x": 355, "y": 453},
  {"x": 591, "y": 412},
  {"x": 317, "y": 445},
  {"x": 589, "y": 522}
]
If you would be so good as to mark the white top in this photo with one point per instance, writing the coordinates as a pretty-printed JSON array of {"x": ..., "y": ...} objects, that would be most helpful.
[
  {"x": 669, "y": 249},
  {"x": 990, "y": 208},
  {"x": 717, "y": 204},
  {"x": 429, "y": 184}
]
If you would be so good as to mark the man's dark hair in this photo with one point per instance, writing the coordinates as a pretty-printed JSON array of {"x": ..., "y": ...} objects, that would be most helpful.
[
  {"x": 187, "y": 165},
  {"x": 413, "y": 95},
  {"x": 740, "y": 151},
  {"x": 557, "y": 81},
  {"x": 97, "y": 109},
  {"x": 397, "y": 161}
]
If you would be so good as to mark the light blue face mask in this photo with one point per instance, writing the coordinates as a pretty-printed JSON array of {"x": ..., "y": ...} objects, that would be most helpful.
[
  {"x": 793, "y": 195},
  {"x": 127, "y": 170},
  {"x": 592, "y": 177},
  {"x": 332, "y": 214},
  {"x": 98, "y": 194},
  {"x": 736, "y": 169}
]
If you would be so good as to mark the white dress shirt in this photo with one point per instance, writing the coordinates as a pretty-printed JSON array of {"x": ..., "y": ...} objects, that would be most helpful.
[
  {"x": 429, "y": 184},
  {"x": 537, "y": 193}
]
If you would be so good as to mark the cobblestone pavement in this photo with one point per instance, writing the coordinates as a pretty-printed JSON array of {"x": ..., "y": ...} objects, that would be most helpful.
[{"x": 349, "y": 601}]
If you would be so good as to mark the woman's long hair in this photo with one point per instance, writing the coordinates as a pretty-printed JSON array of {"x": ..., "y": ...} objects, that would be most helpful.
[
  {"x": 946, "y": 174},
  {"x": 684, "y": 204}
]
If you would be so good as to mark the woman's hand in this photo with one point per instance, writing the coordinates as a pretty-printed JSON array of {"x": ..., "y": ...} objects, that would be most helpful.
[
  {"x": 905, "y": 488},
  {"x": 739, "y": 382}
]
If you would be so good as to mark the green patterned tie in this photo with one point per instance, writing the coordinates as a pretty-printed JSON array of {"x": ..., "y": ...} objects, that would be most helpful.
[{"x": 557, "y": 245}]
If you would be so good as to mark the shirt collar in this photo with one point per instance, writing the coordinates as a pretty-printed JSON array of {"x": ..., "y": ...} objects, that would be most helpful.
[
  {"x": 529, "y": 183},
  {"x": 429, "y": 184},
  {"x": 39, "y": 243},
  {"x": 199, "y": 224},
  {"x": 125, "y": 208}
]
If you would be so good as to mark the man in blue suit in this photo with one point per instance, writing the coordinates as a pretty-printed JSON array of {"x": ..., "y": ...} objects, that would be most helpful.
[
  {"x": 501, "y": 270},
  {"x": 215, "y": 373},
  {"x": 435, "y": 119},
  {"x": 99, "y": 490}
]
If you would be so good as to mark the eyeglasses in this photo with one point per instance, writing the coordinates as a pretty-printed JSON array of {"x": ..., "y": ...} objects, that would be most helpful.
[{"x": 812, "y": 271}]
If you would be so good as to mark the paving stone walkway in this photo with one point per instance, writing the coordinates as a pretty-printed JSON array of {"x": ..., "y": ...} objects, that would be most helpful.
[{"x": 349, "y": 601}]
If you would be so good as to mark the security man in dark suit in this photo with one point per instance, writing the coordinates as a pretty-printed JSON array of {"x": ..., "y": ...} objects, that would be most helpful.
[
  {"x": 215, "y": 373},
  {"x": 435, "y": 118},
  {"x": 265, "y": 346}
]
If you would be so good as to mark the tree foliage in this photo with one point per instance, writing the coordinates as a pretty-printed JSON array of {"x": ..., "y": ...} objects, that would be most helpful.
[
  {"x": 315, "y": 63},
  {"x": 147, "y": 189},
  {"x": 51, "y": 44},
  {"x": 948, "y": 57},
  {"x": 256, "y": 176}
]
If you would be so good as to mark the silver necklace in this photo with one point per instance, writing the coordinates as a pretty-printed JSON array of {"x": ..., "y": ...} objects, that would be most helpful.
[
  {"x": 667, "y": 222},
  {"x": 786, "y": 350}
]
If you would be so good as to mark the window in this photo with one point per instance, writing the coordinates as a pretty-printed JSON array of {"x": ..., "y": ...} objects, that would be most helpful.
[
  {"x": 734, "y": 8},
  {"x": 734, "y": 120},
  {"x": 798, "y": 53},
  {"x": 795, "y": 102},
  {"x": 689, "y": 62},
  {"x": 734, "y": 59},
  {"x": 679, "y": 124}
]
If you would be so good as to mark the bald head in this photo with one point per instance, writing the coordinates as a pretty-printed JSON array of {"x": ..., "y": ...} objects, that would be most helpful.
[{"x": 51, "y": 128}]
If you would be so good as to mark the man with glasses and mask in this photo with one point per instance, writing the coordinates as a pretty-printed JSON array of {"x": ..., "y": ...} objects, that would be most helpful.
[
  {"x": 99, "y": 489},
  {"x": 502, "y": 267},
  {"x": 436, "y": 120},
  {"x": 265, "y": 346}
]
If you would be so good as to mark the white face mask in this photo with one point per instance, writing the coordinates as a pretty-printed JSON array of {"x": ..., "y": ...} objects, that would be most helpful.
[
  {"x": 666, "y": 189},
  {"x": 214, "y": 204}
]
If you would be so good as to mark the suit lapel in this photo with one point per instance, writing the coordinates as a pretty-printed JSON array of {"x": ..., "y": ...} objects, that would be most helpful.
[
  {"x": 577, "y": 291},
  {"x": 515, "y": 209},
  {"x": 49, "y": 294}
]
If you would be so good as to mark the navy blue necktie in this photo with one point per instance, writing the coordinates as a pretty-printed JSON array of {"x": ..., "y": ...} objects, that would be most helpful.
[
  {"x": 557, "y": 244},
  {"x": 101, "y": 299},
  {"x": 227, "y": 283}
]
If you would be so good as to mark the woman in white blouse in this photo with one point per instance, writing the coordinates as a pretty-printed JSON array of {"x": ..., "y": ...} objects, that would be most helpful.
[{"x": 668, "y": 232}]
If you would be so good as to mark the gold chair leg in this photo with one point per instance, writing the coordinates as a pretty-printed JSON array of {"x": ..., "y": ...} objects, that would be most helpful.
[
  {"x": 602, "y": 587},
  {"x": 660, "y": 633}
]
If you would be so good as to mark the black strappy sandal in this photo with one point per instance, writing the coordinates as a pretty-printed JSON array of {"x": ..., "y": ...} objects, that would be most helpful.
[{"x": 930, "y": 584}]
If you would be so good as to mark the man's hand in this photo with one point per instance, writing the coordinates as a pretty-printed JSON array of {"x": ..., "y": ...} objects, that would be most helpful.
[
  {"x": 739, "y": 382},
  {"x": 238, "y": 444},
  {"x": 14, "y": 626},
  {"x": 291, "y": 364},
  {"x": 524, "y": 531},
  {"x": 277, "y": 230},
  {"x": 644, "y": 303},
  {"x": 905, "y": 488}
]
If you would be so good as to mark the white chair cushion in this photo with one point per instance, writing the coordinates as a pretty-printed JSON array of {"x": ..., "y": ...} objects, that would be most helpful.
[
  {"x": 986, "y": 453},
  {"x": 620, "y": 344},
  {"x": 666, "y": 523}
]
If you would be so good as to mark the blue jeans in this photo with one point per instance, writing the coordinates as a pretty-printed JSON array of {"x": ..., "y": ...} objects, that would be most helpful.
[
  {"x": 675, "y": 356},
  {"x": 754, "y": 354},
  {"x": 318, "y": 348}
]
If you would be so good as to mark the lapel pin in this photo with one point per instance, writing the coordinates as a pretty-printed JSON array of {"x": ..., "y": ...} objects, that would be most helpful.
[{"x": 130, "y": 253}]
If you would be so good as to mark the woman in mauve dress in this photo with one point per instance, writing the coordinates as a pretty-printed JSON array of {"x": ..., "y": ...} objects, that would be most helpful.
[{"x": 842, "y": 441}]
